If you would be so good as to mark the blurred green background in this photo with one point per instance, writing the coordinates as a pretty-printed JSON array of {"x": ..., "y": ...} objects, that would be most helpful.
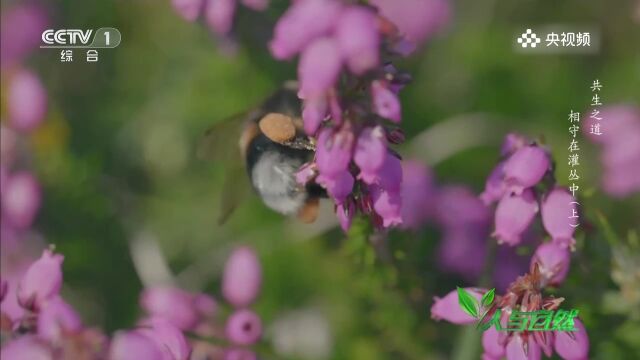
[{"x": 116, "y": 156}]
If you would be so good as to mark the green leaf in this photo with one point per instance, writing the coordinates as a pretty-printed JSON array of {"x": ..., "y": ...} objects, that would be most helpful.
[
  {"x": 487, "y": 298},
  {"x": 467, "y": 302}
]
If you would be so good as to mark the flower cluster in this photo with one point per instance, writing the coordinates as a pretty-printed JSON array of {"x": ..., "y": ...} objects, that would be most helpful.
[
  {"x": 524, "y": 294},
  {"x": 523, "y": 185},
  {"x": 51, "y": 328},
  {"x": 217, "y": 14},
  {"x": 350, "y": 99},
  {"x": 620, "y": 155}
]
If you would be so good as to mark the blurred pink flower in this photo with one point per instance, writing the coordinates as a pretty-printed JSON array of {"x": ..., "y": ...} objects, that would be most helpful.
[
  {"x": 26, "y": 347},
  {"x": 21, "y": 198},
  {"x": 242, "y": 277},
  {"x": 301, "y": 24},
  {"x": 239, "y": 354},
  {"x": 219, "y": 15},
  {"x": 188, "y": 9},
  {"x": 132, "y": 345},
  {"x": 417, "y": 20},
  {"x": 319, "y": 67},
  {"x": 620, "y": 157},
  {"x": 57, "y": 319},
  {"x": 180, "y": 308},
  {"x": 243, "y": 327},
  {"x": 20, "y": 31},
  {"x": 42, "y": 281},
  {"x": 358, "y": 39},
  {"x": 167, "y": 337},
  {"x": 418, "y": 194},
  {"x": 26, "y": 100},
  {"x": 513, "y": 216},
  {"x": 495, "y": 187}
]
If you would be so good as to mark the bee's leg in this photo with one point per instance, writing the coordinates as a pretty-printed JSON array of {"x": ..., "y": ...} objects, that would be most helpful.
[
  {"x": 309, "y": 211},
  {"x": 277, "y": 127}
]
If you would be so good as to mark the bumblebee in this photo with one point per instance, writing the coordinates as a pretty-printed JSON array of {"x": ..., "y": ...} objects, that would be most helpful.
[{"x": 270, "y": 147}]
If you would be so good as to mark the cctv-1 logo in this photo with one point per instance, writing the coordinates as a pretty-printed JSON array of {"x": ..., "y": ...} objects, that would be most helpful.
[
  {"x": 105, "y": 37},
  {"x": 66, "y": 36}
]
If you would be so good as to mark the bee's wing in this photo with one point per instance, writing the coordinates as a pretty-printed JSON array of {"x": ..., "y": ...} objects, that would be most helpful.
[{"x": 225, "y": 143}]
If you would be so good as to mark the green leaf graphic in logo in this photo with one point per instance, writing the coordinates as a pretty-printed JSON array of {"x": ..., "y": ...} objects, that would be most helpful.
[
  {"x": 487, "y": 298},
  {"x": 467, "y": 302}
]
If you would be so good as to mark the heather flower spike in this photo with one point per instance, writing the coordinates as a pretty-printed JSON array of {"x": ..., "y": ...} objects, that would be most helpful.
[
  {"x": 42, "y": 281},
  {"x": 242, "y": 277}
]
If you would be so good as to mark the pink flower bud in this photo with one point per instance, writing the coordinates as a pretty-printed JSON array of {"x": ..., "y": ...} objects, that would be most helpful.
[
  {"x": 339, "y": 186},
  {"x": 219, "y": 15},
  {"x": 302, "y": 23},
  {"x": 26, "y": 101},
  {"x": 572, "y": 348},
  {"x": 526, "y": 167},
  {"x": 385, "y": 102},
  {"x": 21, "y": 199},
  {"x": 387, "y": 204},
  {"x": 358, "y": 38},
  {"x": 371, "y": 150},
  {"x": 167, "y": 337},
  {"x": 314, "y": 111},
  {"x": 242, "y": 277},
  {"x": 333, "y": 151},
  {"x": 26, "y": 347},
  {"x": 41, "y": 282},
  {"x": 448, "y": 308},
  {"x": 319, "y": 67},
  {"x": 243, "y": 327},
  {"x": 239, "y": 354},
  {"x": 491, "y": 343},
  {"x": 521, "y": 349},
  {"x": 553, "y": 262},
  {"x": 345, "y": 212},
  {"x": 205, "y": 305},
  {"x": 172, "y": 304},
  {"x": 557, "y": 209},
  {"x": 513, "y": 216},
  {"x": 132, "y": 345},
  {"x": 56, "y": 319},
  {"x": 188, "y": 9}
]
